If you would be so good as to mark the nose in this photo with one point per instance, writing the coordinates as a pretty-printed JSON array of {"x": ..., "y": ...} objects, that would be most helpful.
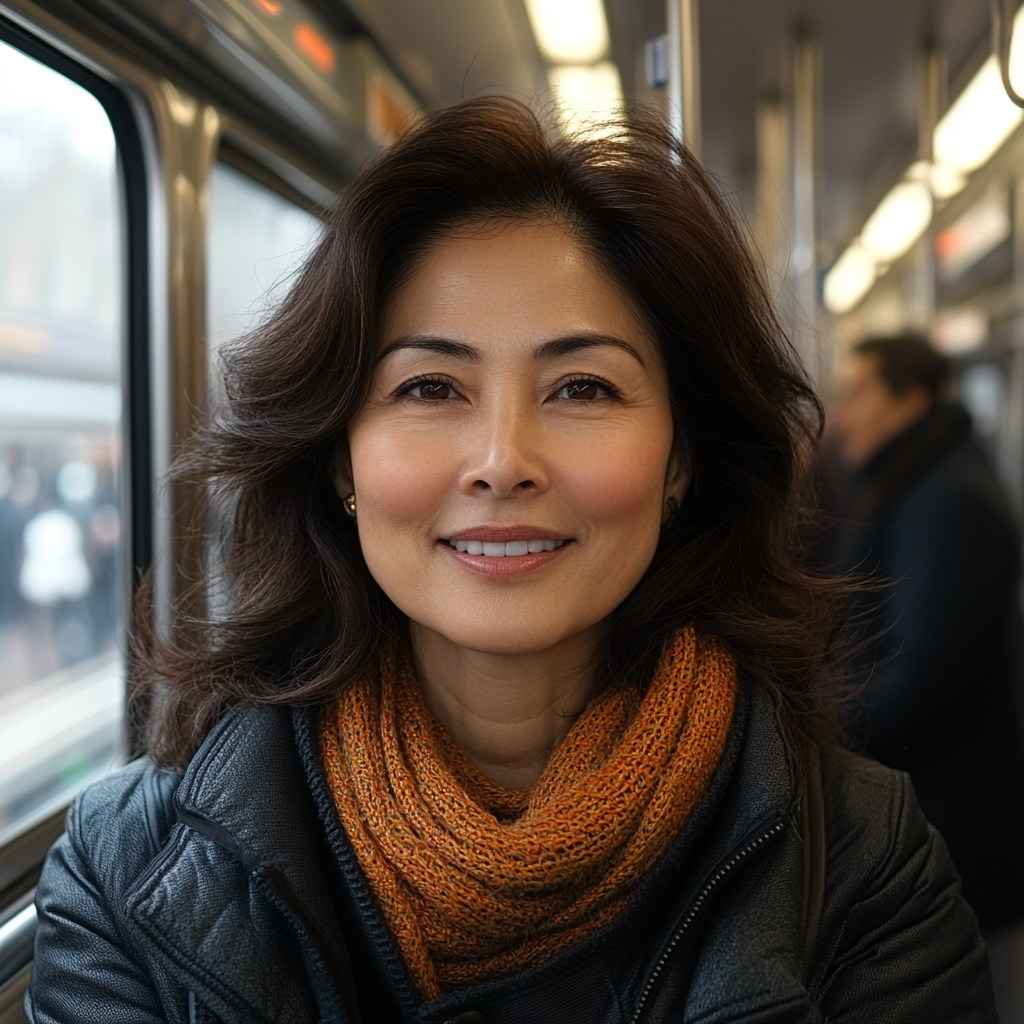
[{"x": 505, "y": 457}]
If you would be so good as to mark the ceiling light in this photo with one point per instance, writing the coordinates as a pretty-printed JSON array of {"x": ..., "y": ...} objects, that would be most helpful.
[
  {"x": 919, "y": 170},
  {"x": 569, "y": 31},
  {"x": 850, "y": 279},
  {"x": 978, "y": 123},
  {"x": 947, "y": 181},
  {"x": 1017, "y": 53},
  {"x": 899, "y": 221},
  {"x": 587, "y": 93}
]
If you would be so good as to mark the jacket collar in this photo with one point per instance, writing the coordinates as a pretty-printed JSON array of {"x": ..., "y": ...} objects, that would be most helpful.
[{"x": 245, "y": 810}]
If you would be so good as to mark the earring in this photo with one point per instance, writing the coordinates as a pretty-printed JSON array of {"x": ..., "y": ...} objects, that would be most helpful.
[{"x": 350, "y": 505}]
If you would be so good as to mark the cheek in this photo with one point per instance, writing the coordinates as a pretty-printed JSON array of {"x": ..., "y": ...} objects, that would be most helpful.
[
  {"x": 620, "y": 483},
  {"x": 855, "y": 413},
  {"x": 870, "y": 415},
  {"x": 400, "y": 477}
]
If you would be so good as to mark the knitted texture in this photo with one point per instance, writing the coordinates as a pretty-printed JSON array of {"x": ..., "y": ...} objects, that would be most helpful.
[{"x": 479, "y": 882}]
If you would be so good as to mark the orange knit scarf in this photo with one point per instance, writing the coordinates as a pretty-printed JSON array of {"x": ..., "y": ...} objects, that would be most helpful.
[{"x": 477, "y": 881}]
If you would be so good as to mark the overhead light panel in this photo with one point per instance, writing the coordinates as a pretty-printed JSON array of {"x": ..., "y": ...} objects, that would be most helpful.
[
  {"x": 850, "y": 279},
  {"x": 587, "y": 93},
  {"x": 980, "y": 120},
  {"x": 947, "y": 181},
  {"x": 569, "y": 31},
  {"x": 978, "y": 123},
  {"x": 898, "y": 221}
]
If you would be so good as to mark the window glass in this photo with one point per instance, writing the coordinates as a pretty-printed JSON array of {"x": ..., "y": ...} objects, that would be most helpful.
[
  {"x": 256, "y": 241},
  {"x": 61, "y": 590}
]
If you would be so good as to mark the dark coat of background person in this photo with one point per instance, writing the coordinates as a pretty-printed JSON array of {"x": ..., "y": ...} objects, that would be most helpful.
[
  {"x": 941, "y": 654},
  {"x": 230, "y": 894}
]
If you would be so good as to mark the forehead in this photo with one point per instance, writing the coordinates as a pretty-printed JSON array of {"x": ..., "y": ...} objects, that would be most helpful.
[{"x": 507, "y": 281}]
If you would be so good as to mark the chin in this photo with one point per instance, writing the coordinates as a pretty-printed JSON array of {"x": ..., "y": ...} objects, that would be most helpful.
[{"x": 507, "y": 636}]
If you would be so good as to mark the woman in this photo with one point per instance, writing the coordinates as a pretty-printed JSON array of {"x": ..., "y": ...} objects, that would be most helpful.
[{"x": 511, "y": 715}]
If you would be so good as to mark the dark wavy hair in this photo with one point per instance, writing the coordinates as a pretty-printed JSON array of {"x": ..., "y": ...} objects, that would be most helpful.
[{"x": 301, "y": 615}]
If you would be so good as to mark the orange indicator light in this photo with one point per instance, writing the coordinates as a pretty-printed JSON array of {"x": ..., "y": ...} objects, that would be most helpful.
[
  {"x": 313, "y": 46},
  {"x": 268, "y": 5}
]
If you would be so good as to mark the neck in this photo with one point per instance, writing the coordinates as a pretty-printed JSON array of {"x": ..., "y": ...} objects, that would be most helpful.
[{"x": 506, "y": 712}]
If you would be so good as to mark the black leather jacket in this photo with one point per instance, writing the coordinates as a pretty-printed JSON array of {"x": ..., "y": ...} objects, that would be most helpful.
[{"x": 230, "y": 894}]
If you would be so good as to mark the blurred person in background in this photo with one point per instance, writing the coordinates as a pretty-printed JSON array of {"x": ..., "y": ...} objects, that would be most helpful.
[{"x": 938, "y": 652}]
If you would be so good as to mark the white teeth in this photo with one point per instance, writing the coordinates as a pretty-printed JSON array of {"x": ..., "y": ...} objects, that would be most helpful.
[{"x": 512, "y": 549}]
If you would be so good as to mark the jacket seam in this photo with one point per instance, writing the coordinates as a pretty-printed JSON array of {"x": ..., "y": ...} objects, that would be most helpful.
[
  {"x": 89, "y": 871},
  {"x": 143, "y": 889},
  {"x": 897, "y": 823},
  {"x": 213, "y": 983},
  {"x": 304, "y": 937},
  {"x": 227, "y": 728}
]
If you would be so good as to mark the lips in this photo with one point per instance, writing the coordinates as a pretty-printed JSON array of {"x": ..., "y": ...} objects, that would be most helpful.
[
  {"x": 494, "y": 534},
  {"x": 505, "y": 549},
  {"x": 505, "y": 552}
]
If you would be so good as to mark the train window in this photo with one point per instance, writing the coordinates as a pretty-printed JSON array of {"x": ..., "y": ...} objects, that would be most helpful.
[
  {"x": 255, "y": 242},
  {"x": 61, "y": 578}
]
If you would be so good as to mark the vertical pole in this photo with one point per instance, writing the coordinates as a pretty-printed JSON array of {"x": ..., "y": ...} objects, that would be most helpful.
[
  {"x": 773, "y": 179},
  {"x": 1010, "y": 456},
  {"x": 931, "y": 77},
  {"x": 931, "y": 96},
  {"x": 803, "y": 261},
  {"x": 189, "y": 131},
  {"x": 684, "y": 71}
]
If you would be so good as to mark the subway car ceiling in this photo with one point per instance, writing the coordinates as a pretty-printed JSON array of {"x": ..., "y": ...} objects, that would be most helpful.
[
  {"x": 245, "y": 55},
  {"x": 309, "y": 91}
]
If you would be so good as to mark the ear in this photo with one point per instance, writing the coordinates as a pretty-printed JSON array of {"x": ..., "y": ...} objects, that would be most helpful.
[
  {"x": 341, "y": 474},
  {"x": 677, "y": 481}
]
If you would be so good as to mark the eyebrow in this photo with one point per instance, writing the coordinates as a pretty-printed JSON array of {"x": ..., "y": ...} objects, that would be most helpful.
[
  {"x": 427, "y": 343},
  {"x": 577, "y": 342},
  {"x": 548, "y": 350}
]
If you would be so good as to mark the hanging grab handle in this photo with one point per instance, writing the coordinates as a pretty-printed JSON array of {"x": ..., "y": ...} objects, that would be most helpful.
[{"x": 1002, "y": 40}]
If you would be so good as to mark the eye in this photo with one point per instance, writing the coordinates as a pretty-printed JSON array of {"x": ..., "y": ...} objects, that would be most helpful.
[
  {"x": 428, "y": 389},
  {"x": 586, "y": 389}
]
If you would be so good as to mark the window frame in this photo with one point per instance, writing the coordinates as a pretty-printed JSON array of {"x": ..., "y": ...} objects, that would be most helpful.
[{"x": 22, "y": 855}]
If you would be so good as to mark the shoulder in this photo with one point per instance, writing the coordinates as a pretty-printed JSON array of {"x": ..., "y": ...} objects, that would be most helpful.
[
  {"x": 857, "y": 786},
  {"x": 957, "y": 506},
  {"x": 119, "y": 824},
  {"x": 892, "y": 895},
  {"x": 871, "y": 814},
  {"x": 960, "y": 479}
]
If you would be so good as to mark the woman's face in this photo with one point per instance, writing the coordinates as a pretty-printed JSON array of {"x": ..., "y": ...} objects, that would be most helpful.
[{"x": 513, "y": 462}]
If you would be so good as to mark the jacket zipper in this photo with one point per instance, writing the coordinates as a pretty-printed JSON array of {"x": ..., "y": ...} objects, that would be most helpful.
[
  {"x": 729, "y": 866},
  {"x": 288, "y": 902}
]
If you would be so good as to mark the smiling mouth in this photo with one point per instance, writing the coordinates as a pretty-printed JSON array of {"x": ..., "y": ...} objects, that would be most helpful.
[{"x": 504, "y": 549}]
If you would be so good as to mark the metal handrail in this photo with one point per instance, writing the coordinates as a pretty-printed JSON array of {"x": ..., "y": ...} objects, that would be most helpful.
[
  {"x": 17, "y": 941},
  {"x": 1002, "y": 41}
]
